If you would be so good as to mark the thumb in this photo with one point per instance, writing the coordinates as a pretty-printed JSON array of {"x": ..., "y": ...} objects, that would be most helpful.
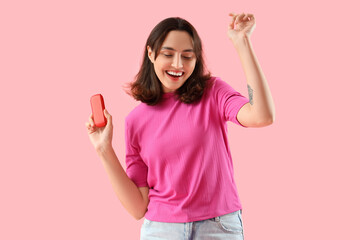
[{"x": 107, "y": 115}]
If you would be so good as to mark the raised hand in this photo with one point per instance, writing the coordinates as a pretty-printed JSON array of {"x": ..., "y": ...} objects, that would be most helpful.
[{"x": 241, "y": 25}]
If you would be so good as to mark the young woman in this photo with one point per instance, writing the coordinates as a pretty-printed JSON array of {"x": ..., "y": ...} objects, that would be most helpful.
[{"x": 179, "y": 173}]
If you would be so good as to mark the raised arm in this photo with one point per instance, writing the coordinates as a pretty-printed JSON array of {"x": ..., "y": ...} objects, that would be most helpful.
[{"x": 260, "y": 111}]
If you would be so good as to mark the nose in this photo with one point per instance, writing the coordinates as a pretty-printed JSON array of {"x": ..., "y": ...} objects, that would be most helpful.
[{"x": 177, "y": 63}]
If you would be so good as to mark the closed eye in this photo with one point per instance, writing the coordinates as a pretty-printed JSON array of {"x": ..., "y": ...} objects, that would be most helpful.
[{"x": 170, "y": 55}]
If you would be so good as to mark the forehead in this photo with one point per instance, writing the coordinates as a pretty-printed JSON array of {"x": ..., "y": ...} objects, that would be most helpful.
[{"x": 178, "y": 40}]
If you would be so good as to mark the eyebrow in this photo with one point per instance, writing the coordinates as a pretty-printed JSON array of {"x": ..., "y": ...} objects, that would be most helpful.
[{"x": 169, "y": 48}]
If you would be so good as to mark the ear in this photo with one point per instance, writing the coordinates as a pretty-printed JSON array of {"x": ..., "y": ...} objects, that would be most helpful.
[{"x": 150, "y": 54}]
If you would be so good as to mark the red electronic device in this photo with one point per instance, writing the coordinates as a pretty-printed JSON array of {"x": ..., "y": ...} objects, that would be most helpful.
[{"x": 97, "y": 107}]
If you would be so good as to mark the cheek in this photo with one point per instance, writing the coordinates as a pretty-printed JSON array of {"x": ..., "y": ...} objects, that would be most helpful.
[
  {"x": 192, "y": 66},
  {"x": 162, "y": 65},
  {"x": 159, "y": 68}
]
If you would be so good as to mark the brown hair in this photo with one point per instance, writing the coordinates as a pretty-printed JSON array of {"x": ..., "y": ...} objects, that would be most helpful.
[{"x": 147, "y": 87}]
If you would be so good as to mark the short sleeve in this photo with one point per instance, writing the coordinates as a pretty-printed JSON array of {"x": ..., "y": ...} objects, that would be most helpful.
[
  {"x": 229, "y": 101},
  {"x": 136, "y": 169}
]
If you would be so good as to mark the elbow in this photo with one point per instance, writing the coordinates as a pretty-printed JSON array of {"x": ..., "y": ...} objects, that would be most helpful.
[
  {"x": 140, "y": 215},
  {"x": 266, "y": 121},
  {"x": 270, "y": 119},
  {"x": 262, "y": 118},
  {"x": 137, "y": 218}
]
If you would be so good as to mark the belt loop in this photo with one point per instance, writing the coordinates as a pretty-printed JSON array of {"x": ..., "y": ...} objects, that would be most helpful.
[{"x": 217, "y": 219}]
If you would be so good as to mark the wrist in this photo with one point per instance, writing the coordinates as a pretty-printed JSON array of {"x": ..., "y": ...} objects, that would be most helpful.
[
  {"x": 104, "y": 149},
  {"x": 241, "y": 42}
]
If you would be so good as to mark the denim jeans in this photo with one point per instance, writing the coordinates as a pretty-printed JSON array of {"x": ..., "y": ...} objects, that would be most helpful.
[{"x": 228, "y": 226}]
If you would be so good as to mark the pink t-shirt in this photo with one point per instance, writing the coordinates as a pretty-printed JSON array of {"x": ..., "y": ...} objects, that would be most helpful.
[{"x": 181, "y": 152}]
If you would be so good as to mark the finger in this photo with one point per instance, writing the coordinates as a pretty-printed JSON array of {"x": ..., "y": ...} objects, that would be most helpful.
[
  {"x": 233, "y": 21},
  {"x": 234, "y": 16},
  {"x": 245, "y": 17},
  {"x": 248, "y": 17},
  {"x": 251, "y": 17},
  {"x": 108, "y": 116},
  {"x": 231, "y": 24},
  {"x": 89, "y": 128},
  {"x": 106, "y": 113},
  {"x": 239, "y": 18},
  {"x": 91, "y": 120}
]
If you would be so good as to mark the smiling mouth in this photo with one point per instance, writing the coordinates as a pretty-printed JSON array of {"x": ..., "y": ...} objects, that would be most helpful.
[{"x": 174, "y": 74}]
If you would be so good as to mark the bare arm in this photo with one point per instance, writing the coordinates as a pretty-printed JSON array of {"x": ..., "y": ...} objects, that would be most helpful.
[
  {"x": 134, "y": 199},
  {"x": 260, "y": 111}
]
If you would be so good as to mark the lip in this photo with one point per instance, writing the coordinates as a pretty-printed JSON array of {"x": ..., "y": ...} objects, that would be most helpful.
[
  {"x": 175, "y": 71},
  {"x": 175, "y": 79}
]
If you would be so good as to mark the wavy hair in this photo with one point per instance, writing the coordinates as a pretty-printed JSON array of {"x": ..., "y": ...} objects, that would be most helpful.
[{"x": 147, "y": 87}]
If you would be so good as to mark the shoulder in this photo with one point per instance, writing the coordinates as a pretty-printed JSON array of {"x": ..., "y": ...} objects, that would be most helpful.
[
  {"x": 135, "y": 113},
  {"x": 219, "y": 83},
  {"x": 216, "y": 85},
  {"x": 211, "y": 83}
]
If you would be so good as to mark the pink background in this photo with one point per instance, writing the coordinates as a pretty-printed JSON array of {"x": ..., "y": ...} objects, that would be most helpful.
[{"x": 297, "y": 179}]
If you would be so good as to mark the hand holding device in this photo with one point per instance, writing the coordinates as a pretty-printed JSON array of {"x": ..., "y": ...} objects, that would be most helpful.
[{"x": 97, "y": 108}]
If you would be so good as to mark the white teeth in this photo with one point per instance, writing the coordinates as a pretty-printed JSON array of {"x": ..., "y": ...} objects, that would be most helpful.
[{"x": 175, "y": 74}]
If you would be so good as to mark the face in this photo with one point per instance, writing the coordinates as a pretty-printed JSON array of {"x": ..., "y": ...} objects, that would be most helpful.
[{"x": 176, "y": 60}]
